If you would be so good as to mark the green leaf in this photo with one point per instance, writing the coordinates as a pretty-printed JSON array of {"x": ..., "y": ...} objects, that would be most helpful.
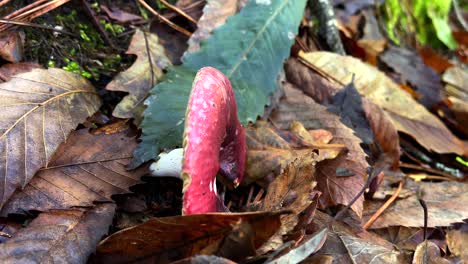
[{"x": 249, "y": 49}]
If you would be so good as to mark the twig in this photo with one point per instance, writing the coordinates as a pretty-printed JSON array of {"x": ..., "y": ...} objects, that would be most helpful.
[
  {"x": 3, "y": 2},
  {"x": 167, "y": 21},
  {"x": 384, "y": 206},
  {"x": 28, "y": 24},
  {"x": 180, "y": 12},
  {"x": 421, "y": 168},
  {"x": 98, "y": 25}
]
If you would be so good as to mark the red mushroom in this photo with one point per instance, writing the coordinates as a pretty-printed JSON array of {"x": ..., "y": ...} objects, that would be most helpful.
[{"x": 214, "y": 141}]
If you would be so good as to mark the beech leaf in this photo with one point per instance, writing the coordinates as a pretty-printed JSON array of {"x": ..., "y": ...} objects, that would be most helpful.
[
  {"x": 336, "y": 188},
  {"x": 249, "y": 49},
  {"x": 85, "y": 169},
  {"x": 407, "y": 115},
  {"x": 39, "y": 109},
  {"x": 166, "y": 239},
  {"x": 59, "y": 236}
]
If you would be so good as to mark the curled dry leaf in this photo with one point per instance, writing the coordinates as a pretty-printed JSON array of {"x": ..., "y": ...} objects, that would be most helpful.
[
  {"x": 456, "y": 79},
  {"x": 167, "y": 239},
  {"x": 336, "y": 188},
  {"x": 11, "y": 47},
  {"x": 87, "y": 168},
  {"x": 457, "y": 239},
  {"x": 406, "y": 114},
  {"x": 270, "y": 150},
  {"x": 58, "y": 236},
  {"x": 428, "y": 253},
  {"x": 137, "y": 80},
  {"x": 39, "y": 109}
]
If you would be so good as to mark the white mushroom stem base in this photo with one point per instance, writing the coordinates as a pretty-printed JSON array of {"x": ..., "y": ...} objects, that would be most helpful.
[{"x": 168, "y": 165}]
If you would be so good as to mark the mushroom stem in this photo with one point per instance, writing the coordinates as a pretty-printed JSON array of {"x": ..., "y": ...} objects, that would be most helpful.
[{"x": 214, "y": 141}]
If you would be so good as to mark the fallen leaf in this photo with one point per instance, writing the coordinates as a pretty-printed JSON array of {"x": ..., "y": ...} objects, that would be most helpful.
[
  {"x": 446, "y": 204},
  {"x": 291, "y": 190},
  {"x": 59, "y": 236},
  {"x": 311, "y": 245},
  {"x": 309, "y": 82},
  {"x": 362, "y": 251},
  {"x": 11, "y": 47},
  {"x": 163, "y": 240},
  {"x": 404, "y": 238},
  {"x": 119, "y": 15},
  {"x": 456, "y": 79},
  {"x": 8, "y": 70},
  {"x": 270, "y": 150},
  {"x": 336, "y": 189},
  {"x": 137, "y": 80},
  {"x": 214, "y": 15},
  {"x": 85, "y": 169},
  {"x": 434, "y": 60},
  {"x": 428, "y": 253},
  {"x": 457, "y": 239},
  {"x": 406, "y": 114},
  {"x": 39, "y": 109},
  {"x": 413, "y": 70},
  {"x": 201, "y": 259}
]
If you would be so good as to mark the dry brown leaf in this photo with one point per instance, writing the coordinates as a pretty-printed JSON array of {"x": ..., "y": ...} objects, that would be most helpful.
[
  {"x": 39, "y": 109},
  {"x": 406, "y": 114},
  {"x": 11, "y": 47},
  {"x": 336, "y": 188},
  {"x": 120, "y": 15},
  {"x": 428, "y": 253},
  {"x": 270, "y": 150},
  {"x": 363, "y": 251},
  {"x": 457, "y": 239},
  {"x": 141, "y": 76},
  {"x": 291, "y": 190},
  {"x": 214, "y": 15},
  {"x": 456, "y": 79},
  {"x": 85, "y": 169},
  {"x": 59, "y": 236},
  {"x": 385, "y": 133},
  {"x": 446, "y": 204},
  {"x": 163, "y": 240},
  {"x": 8, "y": 70}
]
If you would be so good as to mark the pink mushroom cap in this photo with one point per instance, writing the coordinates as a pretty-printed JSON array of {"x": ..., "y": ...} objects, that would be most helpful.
[{"x": 214, "y": 142}]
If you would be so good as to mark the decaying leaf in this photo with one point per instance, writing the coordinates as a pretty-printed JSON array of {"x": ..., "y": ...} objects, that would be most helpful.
[
  {"x": 413, "y": 70},
  {"x": 270, "y": 150},
  {"x": 310, "y": 246},
  {"x": 85, "y": 169},
  {"x": 428, "y": 253},
  {"x": 457, "y": 239},
  {"x": 406, "y": 114},
  {"x": 163, "y": 240},
  {"x": 59, "y": 236},
  {"x": 11, "y": 47},
  {"x": 446, "y": 204},
  {"x": 362, "y": 251},
  {"x": 39, "y": 109},
  {"x": 214, "y": 15},
  {"x": 291, "y": 190},
  {"x": 8, "y": 70},
  {"x": 137, "y": 80},
  {"x": 456, "y": 79},
  {"x": 340, "y": 179}
]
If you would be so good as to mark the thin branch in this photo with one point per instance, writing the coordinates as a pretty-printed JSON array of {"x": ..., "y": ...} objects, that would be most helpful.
[
  {"x": 167, "y": 21},
  {"x": 384, "y": 206},
  {"x": 180, "y": 12}
]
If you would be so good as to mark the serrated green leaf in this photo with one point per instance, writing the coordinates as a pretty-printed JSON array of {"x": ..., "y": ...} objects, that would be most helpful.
[{"x": 249, "y": 49}]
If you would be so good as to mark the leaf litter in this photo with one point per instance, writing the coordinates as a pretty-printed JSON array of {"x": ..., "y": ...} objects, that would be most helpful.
[{"x": 307, "y": 159}]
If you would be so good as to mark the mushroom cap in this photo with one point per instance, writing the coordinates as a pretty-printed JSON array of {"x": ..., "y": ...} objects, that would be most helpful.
[{"x": 214, "y": 141}]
